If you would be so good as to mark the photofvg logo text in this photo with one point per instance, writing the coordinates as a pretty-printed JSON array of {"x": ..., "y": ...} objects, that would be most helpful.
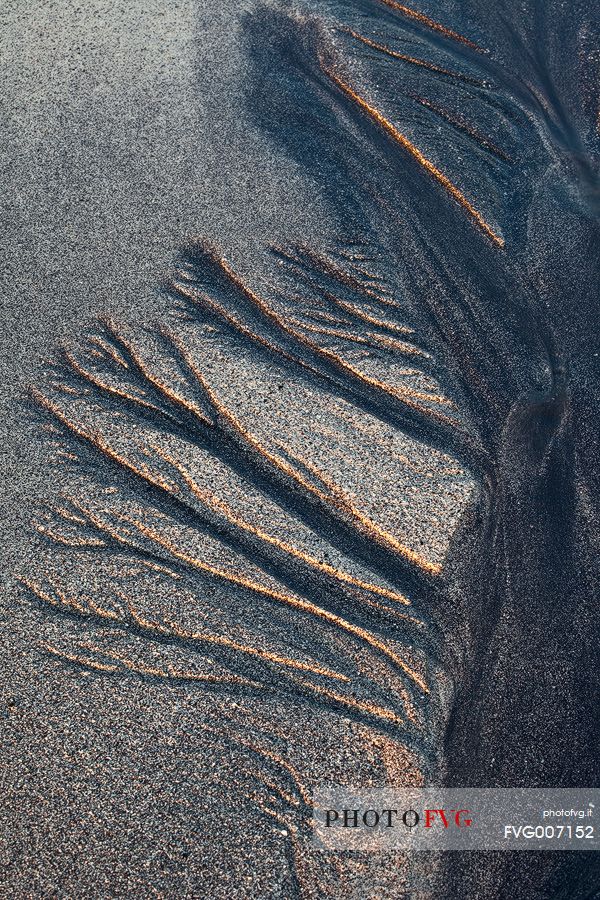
[
  {"x": 557, "y": 824},
  {"x": 456, "y": 819},
  {"x": 397, "y": 818}
]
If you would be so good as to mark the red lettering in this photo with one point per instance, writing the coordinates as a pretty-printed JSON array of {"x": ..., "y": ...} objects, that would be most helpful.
[{"x": 430, "y": 815}]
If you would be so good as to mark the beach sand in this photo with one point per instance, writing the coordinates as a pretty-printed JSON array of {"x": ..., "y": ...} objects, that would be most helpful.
[{"x": 292, "y": 381}]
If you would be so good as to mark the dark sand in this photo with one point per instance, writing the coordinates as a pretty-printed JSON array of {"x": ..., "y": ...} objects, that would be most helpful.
[
  {"x": 123, "y": 133},
  {"x": 255, "y": 577}
]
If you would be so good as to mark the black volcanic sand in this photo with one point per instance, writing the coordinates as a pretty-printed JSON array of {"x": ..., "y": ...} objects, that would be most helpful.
[{"x": 322, "y": 490}]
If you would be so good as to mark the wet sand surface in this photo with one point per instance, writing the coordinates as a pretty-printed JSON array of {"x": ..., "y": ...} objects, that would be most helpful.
[
  {"x": 124, "y": 133},
  {"x": 306, "y": 493}
]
